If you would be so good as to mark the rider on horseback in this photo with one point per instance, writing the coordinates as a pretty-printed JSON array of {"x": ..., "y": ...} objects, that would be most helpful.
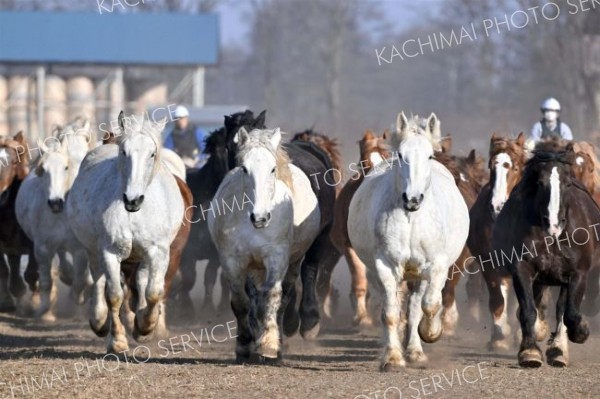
[{"x": 550, "y": 126}]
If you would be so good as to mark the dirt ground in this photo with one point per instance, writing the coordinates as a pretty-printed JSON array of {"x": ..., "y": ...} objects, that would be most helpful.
[{"x": 66, "y": 360}]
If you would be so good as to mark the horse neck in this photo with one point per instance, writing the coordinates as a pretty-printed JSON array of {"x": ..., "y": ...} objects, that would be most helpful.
[{"x": 212, "y": 174}]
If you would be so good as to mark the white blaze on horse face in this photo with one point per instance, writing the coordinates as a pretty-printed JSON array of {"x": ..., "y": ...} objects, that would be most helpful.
[
  {"x": 3, "y": 157},
  {"x": 415, "y": 168},
  {"x": 260, "y": 165},
  {"x": 56, "y": 167},
  {"x": 554, "y": 203},
  {"x": 139, "y": 153},
  {"x": 502, "y": 164}
]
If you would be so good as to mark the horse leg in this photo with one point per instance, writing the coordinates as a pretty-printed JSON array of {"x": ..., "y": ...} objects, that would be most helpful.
[
  {"x": 449, "y": 311},
  {"x": 557, "y": 353},
  {"x": 82, "y": 279},
  {"x": 577, "y": 328},
  {"x": 240, "y": 304},
  {"x": 66, "y": 269},
  {"x": 474, "y": 292},
  {"x": 7, "y": 304},
  {"x": 498, "y": 288},
  {"x": 541, "y": 324},
  {"x": 99, "y": 320},
  {"x": 330, "y": 257},
  {"x": 17, "y": 287},
  {"x": 44, "y": 256},
  {"x": 150, "y": 280},
  {"x": 358, "y": 273},
  {"x": 223, "y": 303},
  {"x": 210, "y": 278},
  {"x": 187, "y": 270},
  {"x": 530, "y": 354},
  {"x": 590, "y": 306},
  {"x": 117, "y": 341},
  {"x": 291, "y": 319},
  {"x": 390, "y": 316},
  {"x": 430, "y": 326},
  {"x": 414, "y": 351},
  {"x": 268, "y": 342}
]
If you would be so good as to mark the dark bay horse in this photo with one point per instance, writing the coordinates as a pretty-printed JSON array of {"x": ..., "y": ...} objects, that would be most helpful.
[
  {"x": 14, "y": 167},
  {"x": 551, "y": 214},
  {"x": 372, "y": 149},
  {"x": 315, "y": 163},
  {"x": 330, "y": 146},
  {"x": 204, "y": 183}
]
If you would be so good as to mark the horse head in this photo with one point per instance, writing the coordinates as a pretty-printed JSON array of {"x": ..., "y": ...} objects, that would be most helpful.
[
  {"x": 12, "y": 166},
  {"x": 549, "y": 173},
  {"x": 415, "y": 152},
  {"x": 507, "y": 159},
  {"x": 373, "y": 149},
  {"x": 263, "y": 162},
  {"x": 139, "y": 153}
]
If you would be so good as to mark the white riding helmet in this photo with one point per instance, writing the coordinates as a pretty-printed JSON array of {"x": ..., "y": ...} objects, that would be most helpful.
[
  {"x": 551, "y": 104},
  {"x": 181, "y": 112}
]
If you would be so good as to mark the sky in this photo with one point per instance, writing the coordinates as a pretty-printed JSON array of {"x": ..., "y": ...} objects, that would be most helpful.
[{"x": 401, "y": 13}]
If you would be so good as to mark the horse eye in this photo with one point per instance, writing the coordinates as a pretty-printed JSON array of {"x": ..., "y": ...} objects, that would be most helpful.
[
  {"x": 431, "y": 157},
  {"x": 66, "y": 168},
  {"x": 244, "y": 169},
  {"x": 123, "y": 152},
  {"x": 273, "y": 171},
  {"x": 153, "y": 155}
]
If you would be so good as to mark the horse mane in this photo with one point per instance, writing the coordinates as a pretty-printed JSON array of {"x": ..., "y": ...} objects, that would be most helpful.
[
  {"x": 216, "y": 139},
  {"x": 588, "y": 148},
  {"x": 257, "y": 138},
  {"x": 417, "y": 126},
  {"x": 327, "y": 144}
]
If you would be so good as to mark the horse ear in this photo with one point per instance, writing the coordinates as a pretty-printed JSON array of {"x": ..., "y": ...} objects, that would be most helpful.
[
  {"x": 401, "y": 122},
  {"x": 521, "y": 139},
  {"x": 276, "y": 138},
  {"x": 386, "y": 134},
  {"x": 260, "y": 120},
  {"x": 19, "y": 138},
  {"x": 121, "y": 120},
  {"x": 433, "y": 126},
  {"x": 494, "y": 137},
  {"x": 368, "y": 135},
  {"x": 472, "y": 157},
  {"x": 160, "y": 125},
  {"x": 241, "y": 136}
]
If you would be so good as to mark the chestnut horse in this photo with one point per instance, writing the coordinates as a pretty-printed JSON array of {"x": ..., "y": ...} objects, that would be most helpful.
[
  {"x": 548, "y": 211},
  {"x": 506, "y": 162},
  {"x": 14, "y": 243},
  {"x": 373, "y": 150}
]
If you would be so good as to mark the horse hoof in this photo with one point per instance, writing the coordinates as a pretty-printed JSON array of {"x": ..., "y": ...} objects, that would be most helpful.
[
  {"x": 311, "y": 334},
  {"x": 530, "y": 358},
  {"x": 103, "y": 330},
  {"x": 427, "y": 336},
  {"x": 8, "y": 307},
  {"x": 389, "y": 367},
  {"x": 117, "y": 346},
  {"x": 498, "y": 345},
  {"x": 362, "y": 321},
  {"x": 556, "y": 358},
  {"x": 579, "y": 334},
  {"x": 47, "y": 317},
  {"x": 416, "y": 357},
  {"x": 142, "y": 338},
  {"x": 291, "y": 323}
]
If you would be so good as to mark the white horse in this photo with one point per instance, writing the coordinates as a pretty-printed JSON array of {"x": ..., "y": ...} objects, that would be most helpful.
[
  {"x": 39, "y": 210},
  {"x": 274, "y": 226},
  {"x": 125, "y": 206},
  {"x": 410, "y": 223}
]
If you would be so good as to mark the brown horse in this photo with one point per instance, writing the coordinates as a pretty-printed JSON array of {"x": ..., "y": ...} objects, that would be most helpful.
[
  {"x": 552, "y": 214},
  {"x": 469, "y": 175},
  {"x": 506, "y": 162},
  {"x": 14, "y": 167},
  {"x": 372, "y": 149}
]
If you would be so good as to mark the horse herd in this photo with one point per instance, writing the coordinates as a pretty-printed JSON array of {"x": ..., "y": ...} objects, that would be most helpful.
[{"x": 127, "y": 223}]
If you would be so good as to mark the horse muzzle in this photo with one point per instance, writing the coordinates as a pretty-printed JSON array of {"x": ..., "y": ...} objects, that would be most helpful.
[
  {"x": 133, "y": 205},
  {"x": 56, "y": 205},
  {"x": 260, "y": 222},
  {"x": 412, "y": 204}
]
